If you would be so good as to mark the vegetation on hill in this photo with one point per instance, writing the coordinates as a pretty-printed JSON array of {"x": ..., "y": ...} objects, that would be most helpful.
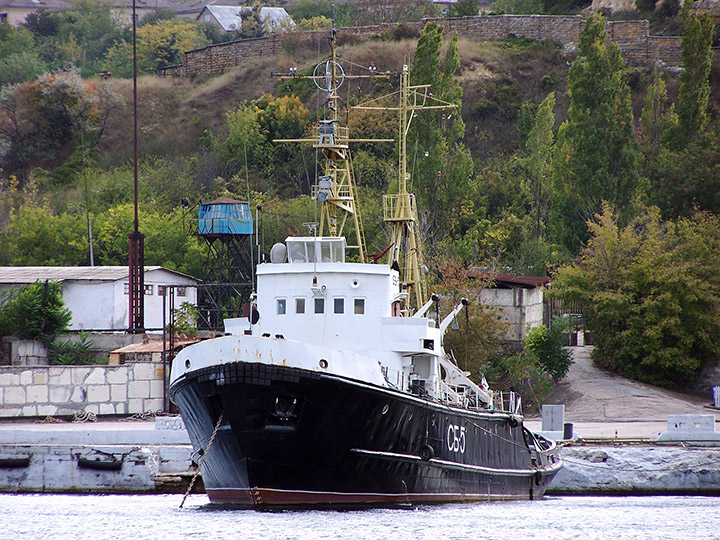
[{"x": 544, "y": 146}]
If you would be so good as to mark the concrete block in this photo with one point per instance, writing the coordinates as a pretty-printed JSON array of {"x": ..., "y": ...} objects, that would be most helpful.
[
  {"x": 144, "y": 371},
  {"x": 156, "y": 389},
  {"x": 29, "y": 410},
  {"x": 60, "y": 394},
  {"x": 107, "y": 408},
  {"x": 121, "y": 408},
  {"x": 117, "y": 375},
  {"x": 15, "y": 395},
  {"x": 96, "y": 376},
  {"x": 9, "y": 378},
  {"x": 118, "y": 392},
  {"x": 692, "y": 423},
  {"x": 47, "y": 410},
  {"x": 40, "y": 377},
  {"x": 139, "y": 389},
  {"x": 79, "y": 395},
  {"x": 153, "y": 405},
  {"x": 60, "y": 376},
  {"x": 135, "y": 406},
  {"x": 553, "y": 417},
  {"x": 37, "y": 393},
  {"x": 92, "y": 408},
  {"x": 8, "y": 412},
  {"x": 26, "y": 377},
  {"x": 169, "y": 423},
  {"x": 78, "y": 374},
  {"x": 98, "y": 393}
]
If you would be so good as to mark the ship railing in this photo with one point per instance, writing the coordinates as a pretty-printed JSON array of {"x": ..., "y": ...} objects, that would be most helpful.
[
  {"x": 338, "y": 192},
  {"x": 510, "y": 402},
  {"x": 394, "y": 378}
]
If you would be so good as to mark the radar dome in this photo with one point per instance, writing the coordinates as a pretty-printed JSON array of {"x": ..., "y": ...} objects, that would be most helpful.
[{"x": 278, "y": 253}]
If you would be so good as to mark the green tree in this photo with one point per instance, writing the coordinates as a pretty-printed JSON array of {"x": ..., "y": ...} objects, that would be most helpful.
[
  {"x": 464, "y": 8},
  {"x": 518, "y": 7},
  {"x": 444, "y": 167},
  {"x": 34, "y": 311},
  {"x": 42, "y": 119},
  {"x": 538, "y": 163},
  {"x": 596, "y": 154},
  {"x": 35, "y": 237},
  {"x": 694, "y": 93},
  {"x": 658, "y": 115},
  {"x": 345, "y": 12},
  {"x": 650, "y": 291}
]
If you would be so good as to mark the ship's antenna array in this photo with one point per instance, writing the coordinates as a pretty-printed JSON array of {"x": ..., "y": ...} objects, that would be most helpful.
[
  {"x": 335, "y": 188},
  {"x": 400, "y": 210}
]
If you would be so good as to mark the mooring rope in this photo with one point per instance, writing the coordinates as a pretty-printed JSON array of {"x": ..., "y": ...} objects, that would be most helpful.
[{"x": 202, "y": 459}]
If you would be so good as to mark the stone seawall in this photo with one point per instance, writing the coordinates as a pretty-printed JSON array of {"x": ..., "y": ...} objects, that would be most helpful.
[
  {"x": 633, "y": 37},
  {"x": 66, "y": 390}
]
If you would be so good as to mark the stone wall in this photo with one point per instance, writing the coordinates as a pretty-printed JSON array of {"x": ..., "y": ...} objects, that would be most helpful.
[
  {"x": 633, "y": 37},
  {"x": 66, "y": 390}
]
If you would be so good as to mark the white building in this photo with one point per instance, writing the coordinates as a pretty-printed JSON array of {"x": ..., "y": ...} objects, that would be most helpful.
[
  {"x": 98, "y": 296},
  {"x": 229, "y": 18},
  {"x": 520, "y": 301}
]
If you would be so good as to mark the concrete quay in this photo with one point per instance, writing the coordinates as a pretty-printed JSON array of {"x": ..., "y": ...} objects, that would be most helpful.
[{"x": 101, "y": 457}]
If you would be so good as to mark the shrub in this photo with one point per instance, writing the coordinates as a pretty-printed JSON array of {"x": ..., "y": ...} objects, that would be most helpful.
[
  {"x": 72, "y": 353},
  {"x": 34, "y": 311}
]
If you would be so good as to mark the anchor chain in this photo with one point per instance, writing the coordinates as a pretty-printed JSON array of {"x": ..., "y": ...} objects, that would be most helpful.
[{"x": 202, "y": 459}]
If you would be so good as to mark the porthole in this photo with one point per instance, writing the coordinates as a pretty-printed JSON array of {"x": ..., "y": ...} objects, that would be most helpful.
[
  {"x": 385, "y": 409},
  {"x": 187, "y": 364},
  {"x": 323, "y": 363},
  {"x": 355, "y": 284}
]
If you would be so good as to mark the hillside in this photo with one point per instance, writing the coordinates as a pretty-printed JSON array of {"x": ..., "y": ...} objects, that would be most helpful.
[{"x": 496, "y": 78}]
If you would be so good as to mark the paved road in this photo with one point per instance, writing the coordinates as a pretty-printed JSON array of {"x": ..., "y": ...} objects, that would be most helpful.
[{"x": 601, "y": 404}]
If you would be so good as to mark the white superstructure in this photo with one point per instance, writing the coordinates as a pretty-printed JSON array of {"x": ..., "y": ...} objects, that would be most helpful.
[{"x": 315, "y": 311}]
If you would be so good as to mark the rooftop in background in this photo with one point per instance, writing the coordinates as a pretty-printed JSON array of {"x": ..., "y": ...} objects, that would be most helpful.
[
  {"x": 509, "y": 280},
  {"x": 31, "y": 274}
]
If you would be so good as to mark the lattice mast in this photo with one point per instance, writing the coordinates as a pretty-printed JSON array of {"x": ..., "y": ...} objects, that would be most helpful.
[
  {"x": 335, "y": 189},
  {"x": 400, "y": 210}
]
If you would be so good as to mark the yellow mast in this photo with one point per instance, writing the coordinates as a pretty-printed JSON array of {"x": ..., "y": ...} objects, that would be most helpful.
[
  {"x": 336, "y": 188},
  {"x": 400, "y": 210}
]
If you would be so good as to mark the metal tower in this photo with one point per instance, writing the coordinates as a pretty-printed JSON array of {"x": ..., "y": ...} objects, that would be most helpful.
[{"x": 225, "y": 225}]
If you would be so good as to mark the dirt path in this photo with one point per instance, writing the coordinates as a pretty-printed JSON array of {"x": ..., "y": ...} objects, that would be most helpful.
[{"x": 593, "y": 395}]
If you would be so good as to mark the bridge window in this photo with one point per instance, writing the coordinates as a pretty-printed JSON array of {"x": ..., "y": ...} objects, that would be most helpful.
[
  {"x": 338, "y": 305},
  {"x": 359, "y": 306},
  {"x": 319, "y": 305},
  {"x": 299, "y": 306},
  {"x": 281, "y": 306}
]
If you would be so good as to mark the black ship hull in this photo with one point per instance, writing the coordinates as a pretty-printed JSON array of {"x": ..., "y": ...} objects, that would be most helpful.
[{"x": 293, "y": 437}]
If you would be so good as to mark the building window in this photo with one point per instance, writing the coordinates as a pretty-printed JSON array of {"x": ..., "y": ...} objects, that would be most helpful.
[
  {"x": 281, "y": 306},
  {"x": 206, "y": 18},
  {"x": 338, "y": 305},
  {"x": 299, "y": 306},
  {"x": 180, "y": 291},
  {"x": 161, "y": 290},
  {"x": 149, "y": 289},
  {"x": 319, "y": 305},
  {"x": 126, "y": 288},
  {"x": 359, "y": 306}
]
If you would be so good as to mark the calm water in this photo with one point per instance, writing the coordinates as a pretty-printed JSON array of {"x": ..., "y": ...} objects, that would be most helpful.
[{"x": 115, "y": 517}]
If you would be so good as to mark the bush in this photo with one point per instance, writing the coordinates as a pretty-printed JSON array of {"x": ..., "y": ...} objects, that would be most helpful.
[
  {"x": 547, "y": 346},
  {"x": 34, "y": 311},
  {"x": 72, "y": 353}
]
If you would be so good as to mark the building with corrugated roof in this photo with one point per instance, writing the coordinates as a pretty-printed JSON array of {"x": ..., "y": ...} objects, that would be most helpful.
[
  {"x": 229, "y": 18},
  {"x": 98, "y": 296}
]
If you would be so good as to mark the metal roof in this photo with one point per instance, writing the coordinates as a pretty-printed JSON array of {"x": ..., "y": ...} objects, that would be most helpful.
[
  {"x": 510, "y": 280},
  {"x": 16, "y": 275},
  {"x": 230, "y": 18}
]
